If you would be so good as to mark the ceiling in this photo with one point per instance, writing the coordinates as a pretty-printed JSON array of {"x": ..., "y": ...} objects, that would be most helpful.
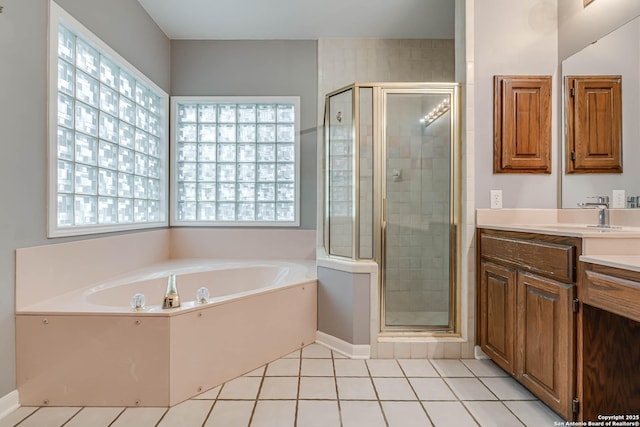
[{"x": 302, "y": 19}]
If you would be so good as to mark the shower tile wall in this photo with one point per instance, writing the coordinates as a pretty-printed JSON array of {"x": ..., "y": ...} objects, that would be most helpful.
[
  {"x": 417, "y": 270},
  {"x": 345, "y": 61}
]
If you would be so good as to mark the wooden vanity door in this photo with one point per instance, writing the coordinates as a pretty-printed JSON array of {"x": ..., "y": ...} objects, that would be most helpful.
[
  {"x": 594, "y": 124},
  {"x": 545, "y": 329},
  {"x": 498, "y": 314}
]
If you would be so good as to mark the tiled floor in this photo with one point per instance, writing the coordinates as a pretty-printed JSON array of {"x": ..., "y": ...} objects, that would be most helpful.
[{"x": 319, "y": 387}]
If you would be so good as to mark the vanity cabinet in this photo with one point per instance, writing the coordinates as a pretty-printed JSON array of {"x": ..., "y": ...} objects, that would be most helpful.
[
  {"x": 498, "y": 313},
  {"x": 609, "y": 372},
  {"x": 526, "y": 305},
  {"x": 545, "y": 340}
]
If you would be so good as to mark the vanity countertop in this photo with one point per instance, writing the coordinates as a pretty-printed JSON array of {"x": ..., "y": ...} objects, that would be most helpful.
[
  {"x": 571, "y": 230},
  {"x": 625, "y": 262}
]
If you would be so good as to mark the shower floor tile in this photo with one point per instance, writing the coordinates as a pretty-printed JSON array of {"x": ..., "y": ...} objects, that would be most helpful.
[{"x": 319, "y": 387}]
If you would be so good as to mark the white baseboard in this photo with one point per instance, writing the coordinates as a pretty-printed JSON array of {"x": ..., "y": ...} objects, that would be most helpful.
[
  {"x": 350, "y": 350},
  {"x": 9, "y": 403},
  {"x": 479, "y": 354}
]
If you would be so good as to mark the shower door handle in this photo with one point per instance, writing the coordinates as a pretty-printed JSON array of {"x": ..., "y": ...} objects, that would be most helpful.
[{"x": 383, "y": 233}]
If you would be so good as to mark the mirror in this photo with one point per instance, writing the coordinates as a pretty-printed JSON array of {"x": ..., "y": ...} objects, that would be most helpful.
[{"x": 617, "y": 53}]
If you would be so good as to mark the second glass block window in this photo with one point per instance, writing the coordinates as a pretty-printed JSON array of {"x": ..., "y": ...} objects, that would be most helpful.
[{"x": 235, "y": 161}]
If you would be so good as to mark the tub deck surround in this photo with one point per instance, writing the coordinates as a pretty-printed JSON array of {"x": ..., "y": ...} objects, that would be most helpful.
[
  {"x": 243, "y": 243},
  {"x": 225, "y": 279},
  {"x": 43, "y": 272},
  {"x": 104, "y": 354}
]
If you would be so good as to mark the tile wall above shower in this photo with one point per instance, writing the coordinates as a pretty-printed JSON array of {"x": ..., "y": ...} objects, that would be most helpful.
[{"x": 345, "y": 61}]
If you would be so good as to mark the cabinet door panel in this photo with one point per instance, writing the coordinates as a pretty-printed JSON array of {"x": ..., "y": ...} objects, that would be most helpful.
[
  {"x": 545, "y": 336},
  {"x": 594, "y": 124},
  {"x": 522, "y": 124},
  {"x": 497, "y": 322}
]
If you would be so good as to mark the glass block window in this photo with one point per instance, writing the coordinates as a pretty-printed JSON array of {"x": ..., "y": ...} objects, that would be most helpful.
[
  {"x": 110, "y": 139},
  {"x": 236, "y": 161}
]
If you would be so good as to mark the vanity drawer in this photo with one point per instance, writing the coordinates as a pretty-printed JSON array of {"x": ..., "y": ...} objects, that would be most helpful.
[
  {"x": 554, "y": 260},
  {"x": 615, "y": 294}
]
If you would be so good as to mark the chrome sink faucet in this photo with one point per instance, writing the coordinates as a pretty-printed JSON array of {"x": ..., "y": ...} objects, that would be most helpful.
[{"x": 601, "y": 203}]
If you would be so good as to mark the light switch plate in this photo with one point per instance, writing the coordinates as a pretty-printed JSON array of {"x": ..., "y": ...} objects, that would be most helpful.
[
  {"x": 496, "y": 199},
  {"x": 619, "y": 199}
]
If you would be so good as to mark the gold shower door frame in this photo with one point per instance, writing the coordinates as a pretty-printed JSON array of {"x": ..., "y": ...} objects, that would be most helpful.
[{"x": 380, "y": 93}]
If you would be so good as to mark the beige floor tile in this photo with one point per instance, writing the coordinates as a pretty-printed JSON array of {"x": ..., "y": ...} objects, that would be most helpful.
[
  {"x": 359, "y": 414},
  {"x": 384, "y": 368},
  {"x": 316, "y": 351},
  {"x": 49, "y": 417},
  {"x": 317, "y": 388},
  {"x": 534, "y": 413},
  {"x": 470, "y": 389},
  {"x": 338, "y": 355},
  {"x": 293, "y": 355},
  {"x": 417, "y": 368},
  {"x": 283, "y": 368},
  {"x": 394, "y": 389},
  {"x": 318, "y": 413},
  {"x": 16, "y": 416},
  {"x": 274, "y": 413},
  {"x": 447, "y": 414},
  {"x": 241, "y": 388},
  {"x": 350, "y": 368},
  {"x": 317, "y": 368},
  {"x": 355, "y": 388},
  {"x": 209, "y": 394},
  {"x": 451, "y": 368},
  {"x": 484, "y": 368},
  {"x": 405, "y": 414},
  {"x": 139, "y": 417},
  {"x": 492, "y": 414},
  {"x": 230, "y": 413},
  {"x": 256, "y": 372},
  {"x": 94, "y": 417},
  {"x": 191, "y": 413},
  {"x": 279, "y": 388},
  {"x": 507, "y": 389},
  {"x": 432, "y": 389}
]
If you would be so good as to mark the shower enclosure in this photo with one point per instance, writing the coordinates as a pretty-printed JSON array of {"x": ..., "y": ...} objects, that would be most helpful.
[{"x": 392, "y": 195}]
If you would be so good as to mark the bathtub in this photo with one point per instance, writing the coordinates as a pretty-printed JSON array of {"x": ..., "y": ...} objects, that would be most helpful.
[{"x": 88, "y": 347}]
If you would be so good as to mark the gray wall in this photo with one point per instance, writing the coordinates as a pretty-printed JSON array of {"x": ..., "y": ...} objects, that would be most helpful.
[
  {"x": 579, "y": 26},
  {"x": 344, "y": 303},
  {"x": 257, "y": 68},
  {"x": 125, "y": 26},
  {"x": 512, "y": 37}
]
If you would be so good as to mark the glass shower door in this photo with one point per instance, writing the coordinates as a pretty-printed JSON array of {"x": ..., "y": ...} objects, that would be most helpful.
[
  {"x": 340, "y": 178},
  {"x": 417, "y": 212}
]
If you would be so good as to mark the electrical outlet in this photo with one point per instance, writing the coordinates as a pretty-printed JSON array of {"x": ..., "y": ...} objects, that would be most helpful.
[
  {"x": 619, "y": 200},
  {"x": 496, "y": 199}
]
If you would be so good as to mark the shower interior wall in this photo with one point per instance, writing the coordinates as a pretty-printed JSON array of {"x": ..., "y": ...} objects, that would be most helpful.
[{"x": 418, "y": 219}]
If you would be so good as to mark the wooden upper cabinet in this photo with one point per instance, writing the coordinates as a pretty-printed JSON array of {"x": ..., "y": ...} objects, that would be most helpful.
[
  {"x": 522, "y": 124},
  {"x": 593, "y": 124}
]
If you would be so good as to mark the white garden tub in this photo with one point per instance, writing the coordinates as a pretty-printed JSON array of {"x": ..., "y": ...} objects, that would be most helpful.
[{"x": 88, "y": 347}]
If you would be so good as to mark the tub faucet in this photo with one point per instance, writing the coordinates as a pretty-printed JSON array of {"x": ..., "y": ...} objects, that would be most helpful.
[
  {"x": 602, "y": 204},
  {"x": 171, "y": 297}
]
